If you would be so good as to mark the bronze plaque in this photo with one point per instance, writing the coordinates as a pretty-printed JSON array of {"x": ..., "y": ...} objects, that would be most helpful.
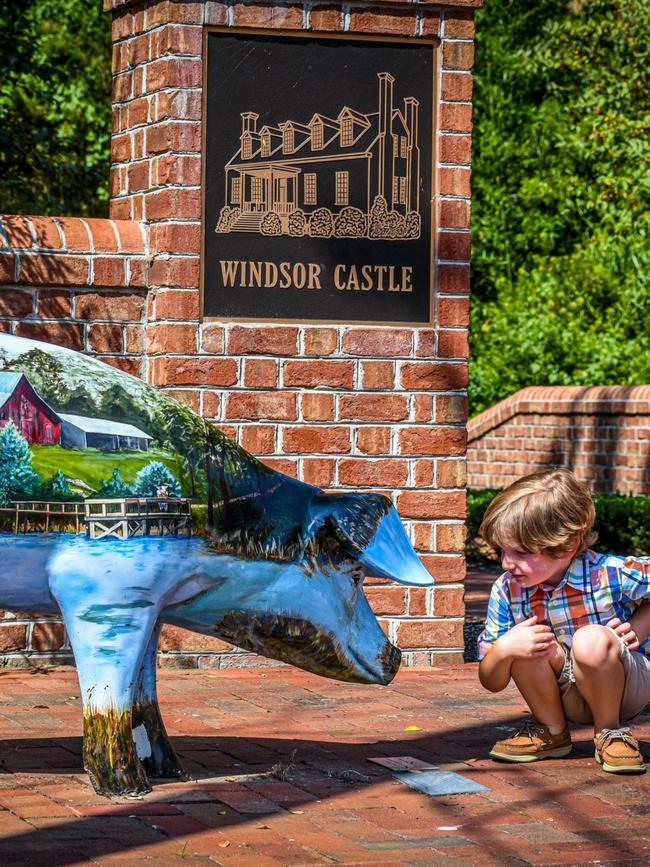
[{"x": 317, "y": 178}]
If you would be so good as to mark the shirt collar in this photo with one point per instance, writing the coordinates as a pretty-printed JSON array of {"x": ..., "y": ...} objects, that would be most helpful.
[
  {"x": 574, "y": 576},
  {"x": 578, "y": 571}
]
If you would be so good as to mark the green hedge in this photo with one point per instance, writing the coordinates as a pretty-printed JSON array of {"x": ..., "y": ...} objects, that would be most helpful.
[{"x": 622, "y": 523}]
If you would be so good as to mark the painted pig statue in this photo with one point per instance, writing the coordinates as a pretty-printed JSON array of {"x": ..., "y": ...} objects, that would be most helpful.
[{"x": 100, "y": 477}]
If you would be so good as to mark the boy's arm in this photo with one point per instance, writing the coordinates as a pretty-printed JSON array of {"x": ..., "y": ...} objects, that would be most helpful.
[
  {"x": 635, "y": 631},
  {"x": 640, "y": 622},
  {"x": 524, "y": 641},
  {"x": 636, "y": 586}
]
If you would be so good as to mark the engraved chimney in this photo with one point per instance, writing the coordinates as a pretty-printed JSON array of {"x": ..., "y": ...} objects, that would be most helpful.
[
  {"x": 384, "y": 160},
  {"x": 249, "y": 122},
  {"x": 411, "y": 119},
  {"x": 386, "y": 82}
]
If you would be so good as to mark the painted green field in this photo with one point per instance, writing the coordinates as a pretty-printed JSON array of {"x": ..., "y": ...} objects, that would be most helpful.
[{"x": 94, "y": 467}]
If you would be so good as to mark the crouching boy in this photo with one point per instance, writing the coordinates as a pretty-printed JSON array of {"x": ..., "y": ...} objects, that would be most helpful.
[{"x": 567, "y": 624}]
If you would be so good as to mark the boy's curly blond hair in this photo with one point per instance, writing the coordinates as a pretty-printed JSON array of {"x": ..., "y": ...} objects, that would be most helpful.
[{"x": 545, "y": 512}]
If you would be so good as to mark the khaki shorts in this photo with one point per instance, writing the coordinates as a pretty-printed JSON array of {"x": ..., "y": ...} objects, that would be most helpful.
[{"x": 636, "y": 692}]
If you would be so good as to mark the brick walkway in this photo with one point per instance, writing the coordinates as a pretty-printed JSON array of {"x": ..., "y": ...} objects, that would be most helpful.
[{"x": 236, "y": 732}]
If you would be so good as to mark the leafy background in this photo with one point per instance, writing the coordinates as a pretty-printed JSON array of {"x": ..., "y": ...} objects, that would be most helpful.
[
  {"x": 55, "y": 107},
  {"x": 561, "y": 255}
]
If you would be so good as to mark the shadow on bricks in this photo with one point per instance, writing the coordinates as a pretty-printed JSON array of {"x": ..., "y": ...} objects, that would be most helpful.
[{"x": 278, "y": 775}]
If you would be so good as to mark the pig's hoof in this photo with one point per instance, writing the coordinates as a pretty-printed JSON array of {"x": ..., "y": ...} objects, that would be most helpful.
[
  {"x": 110, "y": 758},
  {"x": 120, "y": 784},
  {"x": 162, "y": 760}
]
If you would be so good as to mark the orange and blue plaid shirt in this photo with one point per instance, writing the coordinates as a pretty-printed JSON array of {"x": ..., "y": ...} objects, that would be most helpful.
[{"x": 595, "y": 588}]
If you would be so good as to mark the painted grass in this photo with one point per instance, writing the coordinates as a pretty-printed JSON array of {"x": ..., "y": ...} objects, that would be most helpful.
[
  {"x": 110, "y": 756},
  {"x": 94, "y": 467}
]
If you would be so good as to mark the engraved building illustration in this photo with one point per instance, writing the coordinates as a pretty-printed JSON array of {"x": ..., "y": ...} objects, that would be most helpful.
[{"x": 356, "y": 175}]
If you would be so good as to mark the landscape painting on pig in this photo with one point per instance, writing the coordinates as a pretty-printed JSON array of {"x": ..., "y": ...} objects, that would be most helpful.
[{"x": 272, "y": 564}]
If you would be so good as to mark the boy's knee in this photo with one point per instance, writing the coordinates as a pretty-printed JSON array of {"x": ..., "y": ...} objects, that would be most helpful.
[
  {"x": 594, "y": 645},
  {"x": 532, "y": 666},
  {"x": 494, "y": 689}
]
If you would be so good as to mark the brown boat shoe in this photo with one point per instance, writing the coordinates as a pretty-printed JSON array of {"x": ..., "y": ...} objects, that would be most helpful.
[
  {"x": 617, "y": 750},
  {"x": 532, "y": 742}
]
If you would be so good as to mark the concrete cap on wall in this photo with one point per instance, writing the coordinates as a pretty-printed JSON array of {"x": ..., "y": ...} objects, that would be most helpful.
[{"x": 562, "y": 399}]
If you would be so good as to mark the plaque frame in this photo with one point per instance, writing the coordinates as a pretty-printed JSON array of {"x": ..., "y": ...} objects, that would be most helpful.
[{"x": 434, "y": 42}]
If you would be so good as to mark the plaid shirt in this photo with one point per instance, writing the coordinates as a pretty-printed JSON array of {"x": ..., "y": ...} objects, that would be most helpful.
[{"x": 595, "y": 588}]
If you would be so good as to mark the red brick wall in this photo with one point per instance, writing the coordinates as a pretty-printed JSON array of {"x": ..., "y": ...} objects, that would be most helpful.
[
  {"x": 371, "y": 408},
  {"x": 78, "y": 282},
  {"x": 602, "y": 433}
]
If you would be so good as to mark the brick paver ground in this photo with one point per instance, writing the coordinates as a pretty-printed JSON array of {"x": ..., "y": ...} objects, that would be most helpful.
[{"x": 278, "y": 775}]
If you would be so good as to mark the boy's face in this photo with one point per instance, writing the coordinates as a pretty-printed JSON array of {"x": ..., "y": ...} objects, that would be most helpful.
[{"x": 529, "y": 570}]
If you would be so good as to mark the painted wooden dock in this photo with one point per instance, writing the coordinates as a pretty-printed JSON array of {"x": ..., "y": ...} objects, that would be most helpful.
[
  {"x": 137, "y": 516},
  {"x": 50, "y": 514}
]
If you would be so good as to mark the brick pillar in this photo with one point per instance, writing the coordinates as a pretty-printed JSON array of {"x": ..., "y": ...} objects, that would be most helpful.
[{"x": 338, "y": 406}]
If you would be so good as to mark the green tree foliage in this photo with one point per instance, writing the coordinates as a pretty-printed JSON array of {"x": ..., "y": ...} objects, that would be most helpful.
[
  {"x": 561, "y": 251},
  {"x": 57, "y": 488},
  {"x": 55, "y": 107},
  {"x": 153, "y": 476},
  {"x": 18, "y": 478},
  {"x": 115, "y": 487}
]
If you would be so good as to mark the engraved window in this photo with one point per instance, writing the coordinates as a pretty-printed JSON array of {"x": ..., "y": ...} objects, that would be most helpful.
[
  {"x": 317, "y": 136},
  {"x": 342, "y": 189},
  {"x": 256, "y": 191},
  {"x": 287, "y": 140},
  {"x": 347, "y": 131},
  {"x": 266, "y": 145},
  {"x": 395, "y": 190},
  {"x": 310, "y": 190},
  {"x": 402, "y": 191},
  {"x": 235, "y": 191},
  {"x": 246, "y": 148},
  {"x": 402, "y": 146}
]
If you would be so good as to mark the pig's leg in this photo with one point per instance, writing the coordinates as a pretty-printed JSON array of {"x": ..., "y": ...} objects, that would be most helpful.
[
  {"x": 110, "y": 626},
  {"x": 109, "y": 752},
  {"x": 156, "y": 752}
]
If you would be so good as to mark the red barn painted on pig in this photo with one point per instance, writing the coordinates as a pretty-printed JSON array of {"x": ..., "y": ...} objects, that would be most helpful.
[{"x": 20, "y": 404}]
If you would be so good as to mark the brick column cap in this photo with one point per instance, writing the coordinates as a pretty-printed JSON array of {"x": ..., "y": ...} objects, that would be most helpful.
[
  {"x": 38, "y": 234},
  {"x": 562, "y": 400},
  {"x": 119, "y": 5}
]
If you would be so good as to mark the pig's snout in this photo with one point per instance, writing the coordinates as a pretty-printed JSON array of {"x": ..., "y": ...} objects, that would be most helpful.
[
  {"x": 390, "y": 658},
  {"x": 381, "y": 668}
]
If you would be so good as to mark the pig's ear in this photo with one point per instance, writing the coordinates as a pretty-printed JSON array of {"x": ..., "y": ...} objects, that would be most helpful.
[{"x": 369, "y": 528}]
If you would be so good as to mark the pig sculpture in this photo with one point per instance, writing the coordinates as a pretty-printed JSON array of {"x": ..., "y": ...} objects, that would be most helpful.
[{"x": 272, "y": 565}]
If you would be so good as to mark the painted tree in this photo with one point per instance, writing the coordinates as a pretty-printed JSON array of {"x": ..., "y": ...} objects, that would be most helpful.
[
  {"x": 153, "y": 476},
  {"x": 57, "y": 488},
  {"x": 18, "y": 479},
  {"x": 115, "y": 487}
]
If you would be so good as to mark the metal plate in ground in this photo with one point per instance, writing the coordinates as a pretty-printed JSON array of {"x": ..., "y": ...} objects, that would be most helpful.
[{"x": 440, "y": 783}]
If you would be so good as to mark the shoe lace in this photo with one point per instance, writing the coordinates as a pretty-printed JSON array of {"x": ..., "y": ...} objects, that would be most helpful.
[
  {"x": 622, "y": 734},
  {"x": 531, "y": 729}
]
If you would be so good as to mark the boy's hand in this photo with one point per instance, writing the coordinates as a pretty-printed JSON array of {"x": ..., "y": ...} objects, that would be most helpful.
[
  {"x": 624, "y": 631},
  {"x": 528, "y": 638}
]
